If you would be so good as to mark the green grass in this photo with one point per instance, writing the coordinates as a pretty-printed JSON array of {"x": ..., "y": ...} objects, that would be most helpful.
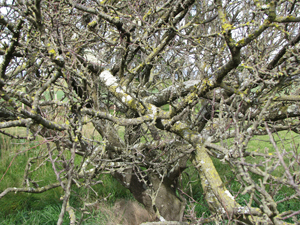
[
  {"x": 14, "y": 157},
  {"x": 195, "y": 190},
  {"x": 43, "y": 208},
  {"x": 51, "y": 96},
  {"x": 47, "y": 215},
  {"x": 259, "y": 144},
  {"x": 23, "y": 208},
  {"x": 285, "y": 140}
]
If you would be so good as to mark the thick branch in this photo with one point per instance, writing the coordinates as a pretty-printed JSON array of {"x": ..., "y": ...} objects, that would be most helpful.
[
  {"x": 282, "y": 52},
  {"x": 30, "y": 189}
]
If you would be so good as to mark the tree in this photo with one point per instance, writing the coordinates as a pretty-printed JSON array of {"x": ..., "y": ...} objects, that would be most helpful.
[{"x": 189, "y": 81}]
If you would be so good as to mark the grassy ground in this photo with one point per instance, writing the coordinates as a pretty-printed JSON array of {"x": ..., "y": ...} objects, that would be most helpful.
[
  {"x": 22, "y": 208},
  {"x": 286, "y": 141},
  {"x": 44, "y": 208}
]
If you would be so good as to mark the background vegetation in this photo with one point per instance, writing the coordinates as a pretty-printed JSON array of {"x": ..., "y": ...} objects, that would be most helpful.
[{"x": 44, "y": 208}]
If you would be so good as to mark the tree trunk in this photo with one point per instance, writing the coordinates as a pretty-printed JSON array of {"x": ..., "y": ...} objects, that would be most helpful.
[{"x": 167, "y": 205}]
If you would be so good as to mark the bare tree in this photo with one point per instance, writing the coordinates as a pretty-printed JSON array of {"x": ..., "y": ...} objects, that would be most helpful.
[{"x": 226, "y": 71}]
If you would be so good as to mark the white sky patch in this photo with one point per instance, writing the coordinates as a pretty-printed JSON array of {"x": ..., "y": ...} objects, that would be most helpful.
[
  {"x": 119, "y": 90},
  {"x": 126, "y": 98},
  {"x": 88, "y": 54},
  {"x": 107, "y": 78}
]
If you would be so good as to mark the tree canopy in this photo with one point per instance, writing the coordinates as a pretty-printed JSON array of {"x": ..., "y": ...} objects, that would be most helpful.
[{"x": 168, "y": 86}]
